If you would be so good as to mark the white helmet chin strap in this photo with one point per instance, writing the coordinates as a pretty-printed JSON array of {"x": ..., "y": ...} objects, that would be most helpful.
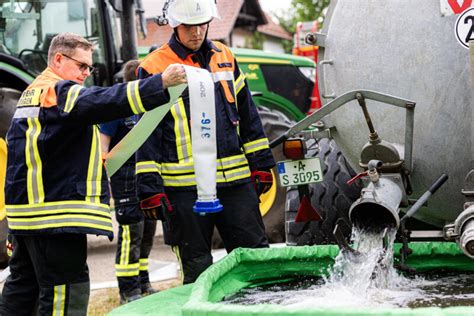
[{"x": 203, "y": 138}]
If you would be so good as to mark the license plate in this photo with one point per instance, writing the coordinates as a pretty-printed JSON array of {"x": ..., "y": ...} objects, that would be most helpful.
[{"x": 298, "y": 172}]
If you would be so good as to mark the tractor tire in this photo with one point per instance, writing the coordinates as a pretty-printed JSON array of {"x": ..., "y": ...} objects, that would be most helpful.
[
  {"x": 332, "y": 198},
  {"x": 8, "y": 100},
  {"x": 272, "y": 203}
]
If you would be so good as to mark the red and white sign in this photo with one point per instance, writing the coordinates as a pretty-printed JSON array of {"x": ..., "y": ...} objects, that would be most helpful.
[
  {"x": 451, "y": 7},
  {"x": 464, "y": 28}
]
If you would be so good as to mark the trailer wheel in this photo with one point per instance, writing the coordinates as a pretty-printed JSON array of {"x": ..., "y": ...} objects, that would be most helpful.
[
  {"x": 332, "y": 198},
  {"x": 272, "y": 203}
]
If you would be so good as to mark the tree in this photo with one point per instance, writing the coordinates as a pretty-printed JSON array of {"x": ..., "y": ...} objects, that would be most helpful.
[{"x": 301, "y": 11}]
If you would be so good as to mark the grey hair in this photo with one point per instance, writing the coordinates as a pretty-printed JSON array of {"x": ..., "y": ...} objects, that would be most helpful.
[{"x": 67, "y": 43}]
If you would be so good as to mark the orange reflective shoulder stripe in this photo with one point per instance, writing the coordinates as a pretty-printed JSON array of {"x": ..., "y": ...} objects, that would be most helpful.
[
  {"x": 224, "y": 58},
  {"x": 157, "y": 61}
]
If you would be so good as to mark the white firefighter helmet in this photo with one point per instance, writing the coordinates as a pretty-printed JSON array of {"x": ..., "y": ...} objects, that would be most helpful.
[{"x": 191, "y": 12}]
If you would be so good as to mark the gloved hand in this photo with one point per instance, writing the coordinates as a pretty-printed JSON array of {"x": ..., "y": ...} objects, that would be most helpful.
[
  {"x": 262, "y": 180},
  {"x": 154, "y": 206}
]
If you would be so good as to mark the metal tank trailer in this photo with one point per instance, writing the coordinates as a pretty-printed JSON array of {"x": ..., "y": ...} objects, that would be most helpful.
[{"x": 398, "y": 93}]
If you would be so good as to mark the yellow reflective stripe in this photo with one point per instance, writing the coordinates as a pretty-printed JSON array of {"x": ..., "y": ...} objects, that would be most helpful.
[
  {"x": 239, "y": 83},
  {"x": 222, "y": 177},
  {"x": 51, "y": 212},
  {"x": 188, "y": 167},
  {"x": 177, "y": 168},
  {"x": 132, "y": 98},
  {"x": 237, "y": 174},
  {"x": 147, "y": 166},
  {"x": 181, "y": 130},
  {"x": 125, "y": 247},
  {"x": 175, "y": 249},
  {"x": 186, "y": 180},
  {"x": 143, "y": 264},
  {"x": 59, "y": 300},
  {"x": 72, "y": 95},
  {"x": 231, "y": 162},
  {"x": 34, "y": 180},
  {"x": 94, "y": 172},
  {"x": 256, "y": 145},
  {"x": 51, "y": 218},
  {"x": 125, "y": 270},
  {"x": 137, "y": 97},
  {"x": 13, "y": 225},
  {"x": 58, "y": 205}
]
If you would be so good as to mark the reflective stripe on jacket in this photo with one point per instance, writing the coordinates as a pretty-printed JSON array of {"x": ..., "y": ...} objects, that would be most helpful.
[
  {"x": 55, "y": 181},
  {"x": 166, "y": 157}
]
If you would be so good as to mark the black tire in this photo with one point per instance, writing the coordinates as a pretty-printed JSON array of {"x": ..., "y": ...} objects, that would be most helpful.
[
  {"x": 8, "y": 100},
  {"x": 332, "y": 198},
  {"x": 275, "y": 124}
]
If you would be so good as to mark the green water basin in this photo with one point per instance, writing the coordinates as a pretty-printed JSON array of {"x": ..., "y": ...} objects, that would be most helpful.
[{"x": 248, "y": 267}]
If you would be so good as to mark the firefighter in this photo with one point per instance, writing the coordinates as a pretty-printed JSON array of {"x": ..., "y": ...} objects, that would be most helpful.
[
  {"x": 56, "y": 191},
  {"x": 135, "y": 235},
  {"x": 166, "y": 181}
]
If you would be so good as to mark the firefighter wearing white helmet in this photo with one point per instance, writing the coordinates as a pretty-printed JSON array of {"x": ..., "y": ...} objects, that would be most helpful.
[
  {"x": 165, "y": 170},
  {"x": 191, "y": 12}
]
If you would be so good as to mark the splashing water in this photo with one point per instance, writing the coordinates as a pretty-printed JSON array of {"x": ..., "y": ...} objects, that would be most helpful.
[{"x": 365, "y": 279}]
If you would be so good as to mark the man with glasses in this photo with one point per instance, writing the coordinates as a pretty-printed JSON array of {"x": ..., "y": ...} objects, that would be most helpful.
[
  {"x": 56, "y": 188},
  {"x": 82, "y": 66}
]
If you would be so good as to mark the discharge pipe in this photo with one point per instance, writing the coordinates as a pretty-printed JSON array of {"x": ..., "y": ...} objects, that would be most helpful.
[{"x": 377, "y": 208}]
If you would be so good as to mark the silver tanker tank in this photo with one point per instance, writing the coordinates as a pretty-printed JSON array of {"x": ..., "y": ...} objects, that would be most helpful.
[{"x": 408, "y": 49}]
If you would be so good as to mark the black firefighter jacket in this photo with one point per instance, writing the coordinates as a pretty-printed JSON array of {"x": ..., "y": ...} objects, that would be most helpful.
[
  {"x": 165, "y": 159},
  {"x": 55, "y": 181}
]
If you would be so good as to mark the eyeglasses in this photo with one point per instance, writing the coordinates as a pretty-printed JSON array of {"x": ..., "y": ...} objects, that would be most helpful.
[{"x": 82, "y": 66}]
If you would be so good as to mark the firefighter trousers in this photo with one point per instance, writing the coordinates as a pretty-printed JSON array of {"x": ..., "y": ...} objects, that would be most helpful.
[
  {"x": 48, "y": 273},
  {"x": 240, "y": 224},
  {"x": 134, "y": 245}
]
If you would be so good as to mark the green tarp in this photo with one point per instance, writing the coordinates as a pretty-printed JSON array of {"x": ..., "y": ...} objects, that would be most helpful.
[{"x": 245, "y": 267}]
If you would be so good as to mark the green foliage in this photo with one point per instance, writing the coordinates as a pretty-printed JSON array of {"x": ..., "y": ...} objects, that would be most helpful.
[
  {"x": 255, "y": 41},
  {"x": 302, "y": 11}
]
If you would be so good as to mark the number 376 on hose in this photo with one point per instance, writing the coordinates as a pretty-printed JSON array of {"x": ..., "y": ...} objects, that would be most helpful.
[{"x": 298, "y": 172}]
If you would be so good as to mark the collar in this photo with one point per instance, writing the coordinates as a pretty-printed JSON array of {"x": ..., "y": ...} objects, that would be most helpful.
[
  {"x": 49, "y": 72},
  {"x": 184, "y": 52}
]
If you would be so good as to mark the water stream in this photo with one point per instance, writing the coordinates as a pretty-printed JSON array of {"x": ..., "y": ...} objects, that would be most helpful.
[{"x": 365, "y": 280}]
